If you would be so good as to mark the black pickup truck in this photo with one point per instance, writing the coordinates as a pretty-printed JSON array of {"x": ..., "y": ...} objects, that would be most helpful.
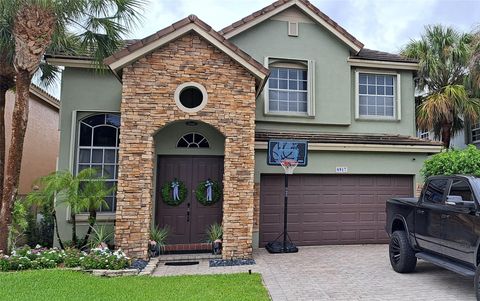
[{"x": 442, "y": 226}]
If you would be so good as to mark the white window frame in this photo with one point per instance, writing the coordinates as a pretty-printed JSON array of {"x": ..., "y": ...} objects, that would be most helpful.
[
  {"x": 91, "y": 148},
  {"x": 397, "y": 104},
  {"x": 310, "y": 87},
  {"x": 475, "y": 127}
]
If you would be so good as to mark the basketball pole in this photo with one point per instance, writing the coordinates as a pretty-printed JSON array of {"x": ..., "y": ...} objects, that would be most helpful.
[{"x": 285, "y": 214}]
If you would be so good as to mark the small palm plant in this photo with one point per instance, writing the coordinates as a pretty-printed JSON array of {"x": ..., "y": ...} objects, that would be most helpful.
[
  {"x": 93, "y": 192},
  {"x": 100, "y": 238},
  {"x": 80, "y": 192},
  {"x": 215, "y": 236},
  {"x": 159, "y": 236}
]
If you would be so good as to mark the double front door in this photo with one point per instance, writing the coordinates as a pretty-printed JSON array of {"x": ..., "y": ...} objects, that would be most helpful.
[{"x": 188, "y": 221}]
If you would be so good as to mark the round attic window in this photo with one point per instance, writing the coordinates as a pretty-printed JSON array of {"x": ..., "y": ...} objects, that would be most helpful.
[{"x": 191, "y": 97}]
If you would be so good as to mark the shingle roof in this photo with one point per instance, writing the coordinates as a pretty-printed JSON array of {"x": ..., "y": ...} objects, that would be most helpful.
[
  {"x": 375, "y": 55},
  {"x": 383, "y": 139},
  {"x": 276, "y": 4},
  {"x": 133, "y": 45}
]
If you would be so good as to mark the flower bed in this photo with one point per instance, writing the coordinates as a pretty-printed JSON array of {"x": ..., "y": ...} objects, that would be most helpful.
[{"x": 43, "y": 258}]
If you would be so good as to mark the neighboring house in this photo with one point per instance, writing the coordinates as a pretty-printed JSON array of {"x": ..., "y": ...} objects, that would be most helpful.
[
  {"x": 40, "y": 151},
  {"x": 192, "y": 103}
]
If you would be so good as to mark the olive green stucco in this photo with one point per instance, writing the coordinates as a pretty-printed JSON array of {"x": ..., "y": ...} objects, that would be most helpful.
[
  {"x": 334, "y": 80},
  {"x": 84, "y": 91}
]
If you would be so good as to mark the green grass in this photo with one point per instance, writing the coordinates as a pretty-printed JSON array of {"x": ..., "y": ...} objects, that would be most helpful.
[{"x": 72, "y": 285}]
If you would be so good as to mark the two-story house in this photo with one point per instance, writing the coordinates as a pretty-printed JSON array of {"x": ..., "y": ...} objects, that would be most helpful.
[{"x": 188, "y": 104}]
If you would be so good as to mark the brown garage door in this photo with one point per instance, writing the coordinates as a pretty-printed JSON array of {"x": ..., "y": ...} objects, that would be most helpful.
[{"x": 329, "y": 209}]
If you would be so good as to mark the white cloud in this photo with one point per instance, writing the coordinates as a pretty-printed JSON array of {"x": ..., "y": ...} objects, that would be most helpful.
[{"x": 380, "y": 24}]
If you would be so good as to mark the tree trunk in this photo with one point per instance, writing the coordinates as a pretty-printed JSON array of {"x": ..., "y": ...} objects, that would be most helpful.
[
  {"x": 3, "y": 97},
  {"x": 54, "y": 215},
  {"x": 15, "y": 152},
  {"x": 446, "y": 134},
  {"x": 73, "y": 217},
  {"x": 92, "y": 220}
]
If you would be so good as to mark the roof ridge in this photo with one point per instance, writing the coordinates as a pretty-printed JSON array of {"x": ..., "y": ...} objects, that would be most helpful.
[{"x": 278, "y": 3}]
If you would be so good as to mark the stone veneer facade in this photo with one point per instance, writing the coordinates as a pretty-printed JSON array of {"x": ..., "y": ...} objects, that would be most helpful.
[{"x": 148, "y": 104}]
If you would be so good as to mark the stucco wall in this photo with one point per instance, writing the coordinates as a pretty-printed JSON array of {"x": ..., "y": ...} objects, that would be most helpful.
[
  {"x": 334, "y": 80},
  {"x": 84, "y": 91},
  {"x": 40, "y": 150}
]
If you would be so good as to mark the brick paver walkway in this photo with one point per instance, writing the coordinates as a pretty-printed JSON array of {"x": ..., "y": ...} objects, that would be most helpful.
[{"x": 343, "y": 273}]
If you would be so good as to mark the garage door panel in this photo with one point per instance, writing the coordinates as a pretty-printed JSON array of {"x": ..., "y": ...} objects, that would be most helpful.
[{"x": 330, "y": 209}]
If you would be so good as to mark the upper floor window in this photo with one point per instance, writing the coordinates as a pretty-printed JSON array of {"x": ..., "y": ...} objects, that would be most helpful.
[
  {"x": 476, "y": 132},
  {"x": 98, "y": 143},
  {"x": 193, "y": 140},
  {"x": 290, "y": 87},
  {"x": 377, "y": 95}
]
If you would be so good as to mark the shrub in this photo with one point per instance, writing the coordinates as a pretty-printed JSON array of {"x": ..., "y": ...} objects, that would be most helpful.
[
  {"x": 42, "y": 258},
  {"x": 4, "y": 264},
  {"x": 450, "y": 162},
  {"x": 73, "y": 258},
  {"x": 105, "y": 259}
]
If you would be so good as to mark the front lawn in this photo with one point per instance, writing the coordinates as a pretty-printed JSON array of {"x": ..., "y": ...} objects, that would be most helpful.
[{"x": 72, "y": 285}]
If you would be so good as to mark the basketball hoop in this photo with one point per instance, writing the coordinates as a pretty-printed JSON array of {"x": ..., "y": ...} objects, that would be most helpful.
[{"x": 289, "y": 165}]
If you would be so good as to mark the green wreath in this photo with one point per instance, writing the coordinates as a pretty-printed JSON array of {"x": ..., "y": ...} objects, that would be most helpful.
[
  {"x": 202, "y": 195},
  {"x": 168, "y": 196}
]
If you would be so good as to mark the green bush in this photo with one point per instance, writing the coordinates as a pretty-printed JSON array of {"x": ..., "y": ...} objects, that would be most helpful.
[
  {"x": 4, "y": 264},
  {"x": 42, "y": 258},
  {"x": 73, "y": 258},
  {"x": 451, "y": 162},
  {"x": 105, "y": 260}
]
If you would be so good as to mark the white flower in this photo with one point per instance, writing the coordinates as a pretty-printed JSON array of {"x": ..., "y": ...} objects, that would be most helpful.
[{"x": 38, "y": 246}]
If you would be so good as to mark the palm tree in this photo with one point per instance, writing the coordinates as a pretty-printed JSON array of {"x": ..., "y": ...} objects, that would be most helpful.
[
  {"x": 35, "y": 26},
  {"x": 82, "y": 192},
  {"x": 444, "y": 55},
  {"x": 93, "y": 194}
]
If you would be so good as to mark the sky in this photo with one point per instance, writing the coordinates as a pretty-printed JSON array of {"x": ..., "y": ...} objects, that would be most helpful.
[
  {"x": 385, "y": 25},
  {"x": 379, "y": 24}
]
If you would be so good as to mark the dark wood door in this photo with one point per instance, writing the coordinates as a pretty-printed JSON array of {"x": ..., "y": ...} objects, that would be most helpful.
[
  {"x": 188, "y": 221},
  {"x": 330, "y": 209}
]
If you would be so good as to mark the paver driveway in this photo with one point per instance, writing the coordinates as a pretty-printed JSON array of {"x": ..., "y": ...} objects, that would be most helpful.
[{"x": 344, "y": 273}]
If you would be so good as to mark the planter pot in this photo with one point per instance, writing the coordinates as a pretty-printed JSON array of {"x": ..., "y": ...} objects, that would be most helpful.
[{"x": 217, "y": 247}]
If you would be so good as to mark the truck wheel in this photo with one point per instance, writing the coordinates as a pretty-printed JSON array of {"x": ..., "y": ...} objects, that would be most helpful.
[
  {"x": 402, "y": 256},
  {"x": 477, "y": 283}
]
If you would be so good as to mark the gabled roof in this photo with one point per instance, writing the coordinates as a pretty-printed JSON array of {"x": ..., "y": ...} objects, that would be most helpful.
[
  {"x": 139, "y": 48},
  {"x": 281, "y": 5}
]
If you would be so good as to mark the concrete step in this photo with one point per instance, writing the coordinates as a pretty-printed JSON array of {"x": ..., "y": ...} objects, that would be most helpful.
[{"x": 188, "y": 257}]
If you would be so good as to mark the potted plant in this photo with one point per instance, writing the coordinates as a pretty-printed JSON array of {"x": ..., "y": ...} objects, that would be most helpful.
[
  {"x": 215, "y": 234},
  {"x": 158, "y": 238}
]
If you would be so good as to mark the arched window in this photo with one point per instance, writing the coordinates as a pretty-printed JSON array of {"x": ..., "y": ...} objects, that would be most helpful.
[
  {"x": 193, "y": 140},
  {"x": 98, "y": 141}
]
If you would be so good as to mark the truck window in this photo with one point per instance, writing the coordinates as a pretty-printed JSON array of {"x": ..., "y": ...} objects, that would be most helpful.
[
  {"x": 462, "y": 189},
  {"x": 435, "y": 191}
]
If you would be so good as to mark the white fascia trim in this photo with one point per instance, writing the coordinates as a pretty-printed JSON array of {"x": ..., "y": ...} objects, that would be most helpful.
[
  {"x": 364, "y": 147},
  {"x": 306, "y": 10},
  {"x": 76, "y": 63},
  {"x": 45, "y": 97},
  {"x": 382, "y": 64},
  {"x": 174, "y": 35}
]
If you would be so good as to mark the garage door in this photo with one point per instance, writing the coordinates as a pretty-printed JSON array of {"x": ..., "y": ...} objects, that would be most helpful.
[{"x": 330, "y": 209}]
